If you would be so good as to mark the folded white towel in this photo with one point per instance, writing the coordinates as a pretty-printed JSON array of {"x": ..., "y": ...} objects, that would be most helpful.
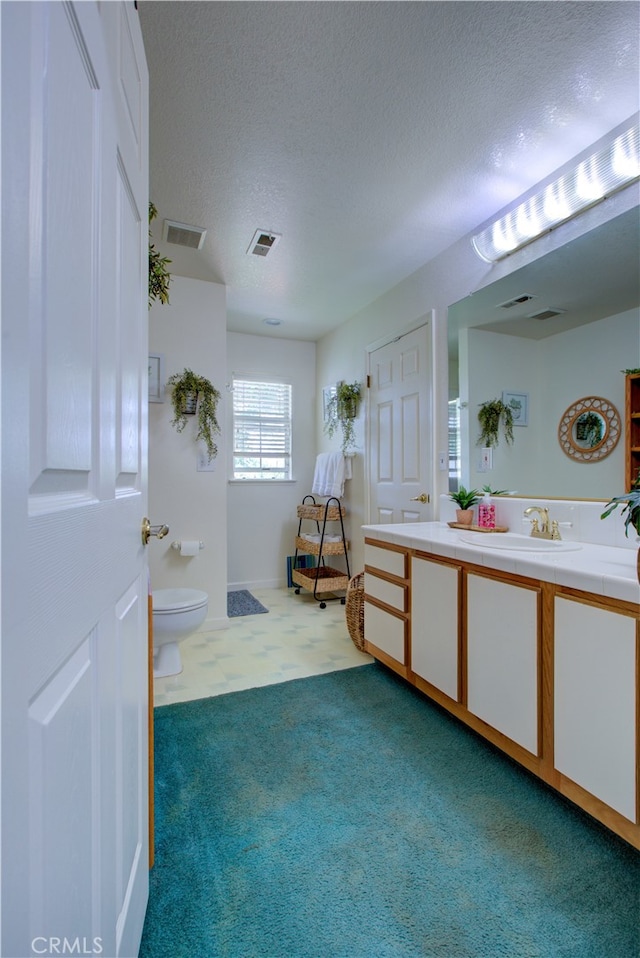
[
  {"x": 316, "y": 537},
  {"x": 329, "y": 475}
]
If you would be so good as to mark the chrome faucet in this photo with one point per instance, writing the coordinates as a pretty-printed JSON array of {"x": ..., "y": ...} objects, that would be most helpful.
[{"x": 542, "y": 528}]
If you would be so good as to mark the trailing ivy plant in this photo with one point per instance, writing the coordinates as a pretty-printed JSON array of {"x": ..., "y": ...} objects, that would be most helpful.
[
  {"x": 159, "y": 276},
  {"x": 493, "y": 414},
  {"x": 187, "y": 386},
  {"x": 589, "y": 428},
  {"x": 342, "y": 411}
]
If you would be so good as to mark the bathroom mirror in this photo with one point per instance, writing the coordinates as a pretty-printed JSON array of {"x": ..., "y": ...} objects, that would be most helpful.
[
  {"x": 589, "y": 429},
  {"x": 562, "y": 327}
]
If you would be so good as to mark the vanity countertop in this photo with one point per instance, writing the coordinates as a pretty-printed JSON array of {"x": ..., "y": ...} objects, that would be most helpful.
[{"x": 602, "y": 570}]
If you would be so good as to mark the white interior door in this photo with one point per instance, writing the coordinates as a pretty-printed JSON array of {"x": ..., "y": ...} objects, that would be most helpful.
[
  {"x": 399, "y": 429},
  {"x": 74, "y": 576}
]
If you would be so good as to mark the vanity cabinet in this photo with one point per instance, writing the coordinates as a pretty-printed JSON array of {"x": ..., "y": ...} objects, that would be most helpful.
[
  {"x": 435, "y": 624},
  {"x": 502, "y": 657},
  {"x": 549, "y": 674},
  {"x": 595, "y": 705}
]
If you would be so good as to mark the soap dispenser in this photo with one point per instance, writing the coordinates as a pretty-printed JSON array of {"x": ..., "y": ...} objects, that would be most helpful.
[{"x": 486, "y": 513}]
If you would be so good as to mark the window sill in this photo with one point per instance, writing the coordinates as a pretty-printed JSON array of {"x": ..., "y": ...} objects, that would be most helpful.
[{"x": 261, "y": 482}]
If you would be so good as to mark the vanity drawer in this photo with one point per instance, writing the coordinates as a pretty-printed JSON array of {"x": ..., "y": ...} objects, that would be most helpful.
[
  {"x": 386, "y": 631},
  {"x": 386, "y": 560},
  {"x": 388, "y": 592}
]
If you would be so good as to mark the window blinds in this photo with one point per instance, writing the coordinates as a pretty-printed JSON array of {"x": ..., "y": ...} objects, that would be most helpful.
[{"x": 261, "y": 430}]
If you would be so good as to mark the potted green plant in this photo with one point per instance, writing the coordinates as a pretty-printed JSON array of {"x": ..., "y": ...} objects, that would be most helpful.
[
  {"x": 159, "y": 276},
  {"x": 630, "y": 505},
  {"x": 194, "y": 395},
  {"x": 465, "y": 499},
  {"x": 342, "y": 411},
  {"x": 491, "y": 416}
]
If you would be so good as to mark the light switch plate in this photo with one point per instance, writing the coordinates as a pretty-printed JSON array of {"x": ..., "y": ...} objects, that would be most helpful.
[{"x": 203, "y": 463}]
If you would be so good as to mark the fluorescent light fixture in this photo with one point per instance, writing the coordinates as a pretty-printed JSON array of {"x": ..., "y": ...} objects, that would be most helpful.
[{"x": 609, "y": 169}]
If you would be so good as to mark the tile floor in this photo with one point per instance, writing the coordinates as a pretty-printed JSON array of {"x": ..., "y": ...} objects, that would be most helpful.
[{"x": 294, "y": 639}]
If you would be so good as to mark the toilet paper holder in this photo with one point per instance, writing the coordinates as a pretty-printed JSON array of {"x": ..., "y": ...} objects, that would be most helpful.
[{"x": 177, "y": 545}]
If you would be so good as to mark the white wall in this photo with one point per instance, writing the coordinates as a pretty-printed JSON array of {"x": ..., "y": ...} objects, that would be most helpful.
[
  {"x": 556, "y": 372},
  {"x": 262, "y": 520},
  {"x": 491, "y": 363},
  {"x": 587, "y": 362},
  {"x": 190, "y": 332}
]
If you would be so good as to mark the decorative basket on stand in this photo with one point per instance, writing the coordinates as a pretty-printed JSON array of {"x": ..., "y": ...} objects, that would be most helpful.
[{"x": 354, "y": 610}]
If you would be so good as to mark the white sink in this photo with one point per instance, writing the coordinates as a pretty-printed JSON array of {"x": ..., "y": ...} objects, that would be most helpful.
[{"x": 514, "y": 542}]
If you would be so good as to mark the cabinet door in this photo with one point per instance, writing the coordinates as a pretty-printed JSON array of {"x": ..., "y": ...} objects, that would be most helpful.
[
  {"x": 434, "y": 623},
  {"x": 595, "y": 702},
  {"x": 502, "y": 657}
]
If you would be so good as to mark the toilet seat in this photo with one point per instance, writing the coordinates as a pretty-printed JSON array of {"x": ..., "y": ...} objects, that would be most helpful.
[{"x": 167, "y": 601}]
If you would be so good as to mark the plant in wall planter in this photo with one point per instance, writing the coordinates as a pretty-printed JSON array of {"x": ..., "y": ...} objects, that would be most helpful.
[
  {"x": 159, "y": 276},
  {"x": 493, "y": 414},
  {"x": 194, "y": 395},
  {"x": 465, "y": 499},
  {"x": 342, "y": 411}
]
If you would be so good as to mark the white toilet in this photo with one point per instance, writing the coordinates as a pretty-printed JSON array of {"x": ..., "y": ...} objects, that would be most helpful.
[{"x": 177, "y": 613}]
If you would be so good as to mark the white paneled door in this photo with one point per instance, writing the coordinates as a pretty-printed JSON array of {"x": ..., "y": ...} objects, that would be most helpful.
[
  {"x": 74, "y": 387},
  {"x": 399, "y": 429}
]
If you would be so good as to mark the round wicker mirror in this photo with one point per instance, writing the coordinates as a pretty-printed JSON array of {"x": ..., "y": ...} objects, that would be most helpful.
[{"x": 589, "y": 429}]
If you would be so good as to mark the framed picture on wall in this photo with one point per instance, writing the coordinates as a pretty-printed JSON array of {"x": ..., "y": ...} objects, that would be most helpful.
[
  {"x": 156, "y": 377},
  {"x": 518, "y": 403}
]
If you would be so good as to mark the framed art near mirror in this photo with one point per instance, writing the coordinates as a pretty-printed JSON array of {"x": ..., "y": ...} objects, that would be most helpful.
[{"x": 589, "y": 429}]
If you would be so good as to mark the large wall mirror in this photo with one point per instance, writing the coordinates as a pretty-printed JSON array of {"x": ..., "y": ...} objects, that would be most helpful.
[{"x": 559, "y": 329}]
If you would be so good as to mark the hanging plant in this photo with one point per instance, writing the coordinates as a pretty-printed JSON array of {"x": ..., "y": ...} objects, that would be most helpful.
[
  {"x": 589, "y": 428},
  {"x": 342, "y": 411},
  {"x": 492, "y": 414},
  {"x": 188, "y": 389},
  {"x": 159, "y": 276}
]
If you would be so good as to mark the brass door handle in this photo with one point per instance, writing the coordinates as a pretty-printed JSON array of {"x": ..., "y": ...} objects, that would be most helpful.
[
  {"x": 147, "y": 530},
  {"x": 423, "y": 497}
]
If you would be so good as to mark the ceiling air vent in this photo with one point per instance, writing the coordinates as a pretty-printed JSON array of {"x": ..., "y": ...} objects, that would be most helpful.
[
  {"x": 181, "y": 234},
  {"x": 547, "y": 313},
  {"x": 516, "y": 301},
  {"x": 263, "y": 242}
]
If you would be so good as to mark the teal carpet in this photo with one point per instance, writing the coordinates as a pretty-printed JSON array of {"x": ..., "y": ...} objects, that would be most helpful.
[{"x": 345, "y": 816}]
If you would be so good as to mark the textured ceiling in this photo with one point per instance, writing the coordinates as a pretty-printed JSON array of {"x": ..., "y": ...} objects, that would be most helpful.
[{"x": 370, "y": 135}]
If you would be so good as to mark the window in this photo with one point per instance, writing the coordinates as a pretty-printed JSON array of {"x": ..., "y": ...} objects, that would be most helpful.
[
  {"x": 261, "y": 430},
  {"x": 455, "y": 465}
]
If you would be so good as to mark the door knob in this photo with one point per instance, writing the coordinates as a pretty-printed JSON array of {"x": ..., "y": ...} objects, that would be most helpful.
[
  {"x": 423, "y": 497},
  {"x": 147, "y": 530}
]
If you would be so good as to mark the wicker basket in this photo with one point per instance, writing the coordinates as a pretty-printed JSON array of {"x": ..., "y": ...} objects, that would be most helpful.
[
  {"x": 354, "y": 610},
  {"x": 319, "y": 513},
  {"x": 320, "y": 580},
  {"x": 328, "y": 548}
]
